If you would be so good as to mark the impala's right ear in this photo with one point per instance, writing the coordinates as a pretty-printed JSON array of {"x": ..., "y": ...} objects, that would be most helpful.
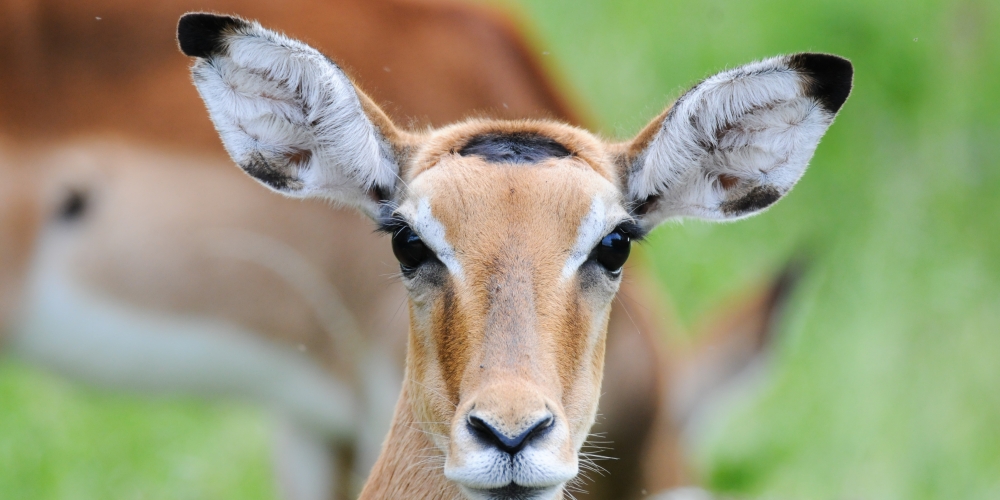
[{"x": 289, "y": 116}]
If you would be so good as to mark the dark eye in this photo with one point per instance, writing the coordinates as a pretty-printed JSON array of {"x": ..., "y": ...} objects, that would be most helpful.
[
  {"x": 409, "y": 249},
  {"x": 612, "y": 251}
]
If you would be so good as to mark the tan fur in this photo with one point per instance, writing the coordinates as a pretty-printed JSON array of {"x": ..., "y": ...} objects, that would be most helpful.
[
  {"x": 446, "y": 140},
  {"x": 510, "y": 336},
  {"x": 407, "y": 463}
]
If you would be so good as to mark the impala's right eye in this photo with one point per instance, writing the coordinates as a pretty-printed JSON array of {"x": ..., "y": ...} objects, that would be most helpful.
[{"x": 410, "y": 250}]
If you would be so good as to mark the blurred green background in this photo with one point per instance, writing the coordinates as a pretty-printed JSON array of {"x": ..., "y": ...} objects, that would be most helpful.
[{"x": 885, "y": 382}]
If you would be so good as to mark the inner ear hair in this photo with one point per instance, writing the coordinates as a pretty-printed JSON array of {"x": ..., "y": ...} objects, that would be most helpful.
[
  {"x": 290, "y": 117},
  {"x": 736, "y": 142},
  {"x": 726, "y": 181}
]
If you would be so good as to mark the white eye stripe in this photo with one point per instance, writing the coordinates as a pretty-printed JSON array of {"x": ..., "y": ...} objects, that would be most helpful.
[
  {"x": 433, "y": 233},
  {"x": 592, "y": 228}
]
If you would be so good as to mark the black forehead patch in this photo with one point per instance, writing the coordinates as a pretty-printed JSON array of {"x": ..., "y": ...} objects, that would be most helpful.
[{"x": 520, "y": 147}]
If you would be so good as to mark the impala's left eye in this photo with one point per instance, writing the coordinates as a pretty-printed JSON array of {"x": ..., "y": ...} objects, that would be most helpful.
[
  {"x": 410, "y": 250},
  {"x": 613, "y": 250}
]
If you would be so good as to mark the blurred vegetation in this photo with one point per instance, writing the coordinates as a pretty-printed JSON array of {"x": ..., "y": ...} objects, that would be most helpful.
[
  {"x": 59, "y": 440},
  {"x": 886, "y": 380}
]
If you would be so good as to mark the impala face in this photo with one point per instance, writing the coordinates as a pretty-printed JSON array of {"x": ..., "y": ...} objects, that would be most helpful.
[
  {"x": 511, "y": 240},
  {"x": 510, "y": 236}
]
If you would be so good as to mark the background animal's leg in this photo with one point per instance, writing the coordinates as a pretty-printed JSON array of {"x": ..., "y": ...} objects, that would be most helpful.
[
  {"x": 380, "y": 378},
  {"x": 729, "y": 350},
  {"x": 687, "y": 493},
  {"x": 307, "y": 464}
]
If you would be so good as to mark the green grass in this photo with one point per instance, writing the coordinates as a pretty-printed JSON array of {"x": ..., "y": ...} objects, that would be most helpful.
[
  {"x": 886, "y": 380},
  {"x": 61, "y": 441}
]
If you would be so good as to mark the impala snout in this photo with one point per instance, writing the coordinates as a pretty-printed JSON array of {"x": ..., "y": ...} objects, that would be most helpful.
[
  {"x": 503, "y": 438},
  {"x": 511, "y": 440}
]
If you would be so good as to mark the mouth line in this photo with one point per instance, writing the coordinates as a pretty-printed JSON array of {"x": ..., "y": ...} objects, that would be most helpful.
[{"x": 512, "y": 491}]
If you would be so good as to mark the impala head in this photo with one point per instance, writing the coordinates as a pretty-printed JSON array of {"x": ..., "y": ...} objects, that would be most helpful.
[{"x": 510, "y": 236}]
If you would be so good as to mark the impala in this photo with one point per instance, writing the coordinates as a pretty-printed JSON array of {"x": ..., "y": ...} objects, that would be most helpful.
[
  {"x": 510, "y": 235},
  {"x": 142, "y": 262}
]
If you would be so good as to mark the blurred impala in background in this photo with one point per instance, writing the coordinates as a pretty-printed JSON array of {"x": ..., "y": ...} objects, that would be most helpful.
[{"x": 137, "y": 257}]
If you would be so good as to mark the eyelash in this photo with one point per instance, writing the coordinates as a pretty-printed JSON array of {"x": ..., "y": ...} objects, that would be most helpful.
[{"x": 632, "y": 229}]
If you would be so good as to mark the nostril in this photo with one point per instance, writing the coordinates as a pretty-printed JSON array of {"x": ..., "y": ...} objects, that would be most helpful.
[
  {"x": 541, "y": 426},
  {"x": 510, "y": 444},
  {"x": 480, "y": 428}
]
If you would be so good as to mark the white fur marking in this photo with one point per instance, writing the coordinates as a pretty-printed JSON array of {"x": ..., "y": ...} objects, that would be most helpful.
[
  {"x": 539, "y": 465},
  {"x": 433, "y": 233},
  {"x": 593, "y": 227}
]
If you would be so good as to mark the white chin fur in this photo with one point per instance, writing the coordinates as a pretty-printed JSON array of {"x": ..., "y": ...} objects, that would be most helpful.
[
  {"x": 540, "y": 465},
  {"x": 537, "y": 494}
]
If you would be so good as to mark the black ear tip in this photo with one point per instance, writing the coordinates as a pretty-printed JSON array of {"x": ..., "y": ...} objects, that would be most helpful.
[
  {"x": 832, "y": 77},
  {"x": 199, "y": 34}
]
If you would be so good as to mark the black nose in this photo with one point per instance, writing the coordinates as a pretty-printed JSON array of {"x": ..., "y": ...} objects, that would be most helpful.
[{"x": 512, "y": 445}]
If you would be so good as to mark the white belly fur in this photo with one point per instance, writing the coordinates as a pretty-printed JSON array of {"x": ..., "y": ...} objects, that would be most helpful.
[{"x": 102, "y": 341}]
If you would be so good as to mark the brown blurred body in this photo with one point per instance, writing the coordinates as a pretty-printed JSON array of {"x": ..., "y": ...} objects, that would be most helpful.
[
  {"x": 431, "y": 62},
  {"x": 145, "y": 236}
]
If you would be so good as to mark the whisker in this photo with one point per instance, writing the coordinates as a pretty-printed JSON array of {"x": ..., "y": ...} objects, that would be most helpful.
[
  {"x": 429, "y": 433},
  {"x": 618, "y": 297},
  {"x": 435, "y": 392}
]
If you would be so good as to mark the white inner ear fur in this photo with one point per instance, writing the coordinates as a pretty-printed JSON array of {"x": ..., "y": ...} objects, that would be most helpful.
[
  {"x": 754, "y": 124},
  {"x": 273, "y": 97}
]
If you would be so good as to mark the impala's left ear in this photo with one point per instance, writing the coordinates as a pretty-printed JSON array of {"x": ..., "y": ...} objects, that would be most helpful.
[{"x": 736, "y": 142}]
